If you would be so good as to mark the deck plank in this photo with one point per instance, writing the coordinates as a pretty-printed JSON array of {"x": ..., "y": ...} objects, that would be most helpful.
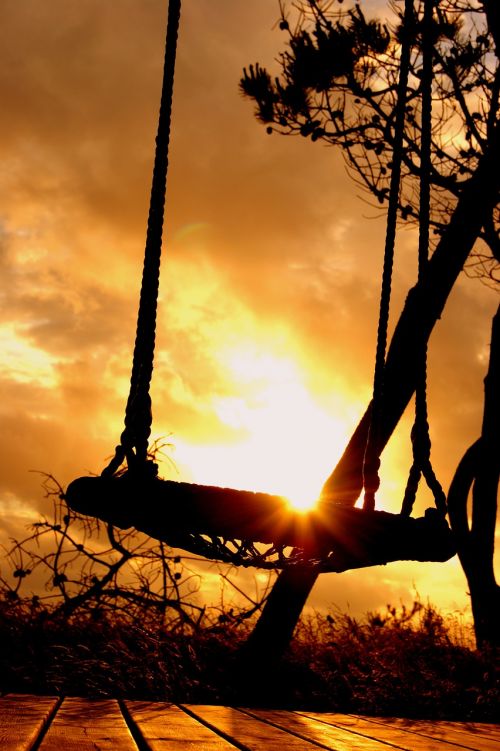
[
  {"x": 411, "y": 735},
  {"x": 247, "y": 732},
  {"x": 165, "y": 727},
  {"x": 484, "y": 728},
  {"x": 323, "y": 734},
  {"x": 22, "y": 719},
  {"x": 478, "y": 736},
  {"x": 86, "y": 725}
]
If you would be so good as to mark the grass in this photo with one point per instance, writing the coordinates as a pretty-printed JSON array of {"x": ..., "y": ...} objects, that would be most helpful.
[{"x": 406, "y": 662}]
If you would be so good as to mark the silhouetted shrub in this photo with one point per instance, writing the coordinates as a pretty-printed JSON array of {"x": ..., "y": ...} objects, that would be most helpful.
[{"x": 403, "y": 662}]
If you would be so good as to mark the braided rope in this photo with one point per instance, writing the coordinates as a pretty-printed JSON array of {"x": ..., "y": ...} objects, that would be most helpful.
[
  {"x": 420, "y": 437},
  {"x": 138, "y": 417},
  {"x": 371, "y": 463}
]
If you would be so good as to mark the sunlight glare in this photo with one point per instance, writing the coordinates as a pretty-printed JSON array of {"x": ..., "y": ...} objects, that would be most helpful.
[
  {"x": 290, "y": 443},
  {"x": 303, "y": 502}
]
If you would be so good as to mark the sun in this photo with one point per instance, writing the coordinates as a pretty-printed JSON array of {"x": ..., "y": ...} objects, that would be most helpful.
[
  {"x": 303, "y": 502},
  {"x": 302, "y": 488},
  {"x": 286, "y": 441}
]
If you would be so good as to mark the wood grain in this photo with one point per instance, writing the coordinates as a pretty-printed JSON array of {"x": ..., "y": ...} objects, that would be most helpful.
[
  {"x": 250, "y": 733},
  {"x": 476, "y": 728},
  {"x": 323, "y": 734},
  {"x": 165, "y": 727},
  {"x": 412, "y": 735},
  {"x": 22, "y": 719},
  {"x": 85, "y": 725},
  {"x": 478, "y": 736}
]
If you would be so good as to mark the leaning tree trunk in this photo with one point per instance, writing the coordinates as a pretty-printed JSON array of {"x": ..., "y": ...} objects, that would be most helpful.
[
  {"x": 480, "y": 469},
  {"x": 422, "y": 309}
]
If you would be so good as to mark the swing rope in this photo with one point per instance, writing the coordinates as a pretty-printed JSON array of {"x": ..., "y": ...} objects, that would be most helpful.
[
  {"x": 138, "y": 417},
  {"x": 420, "y": 435},
  {"x": 371, "y": 462}
]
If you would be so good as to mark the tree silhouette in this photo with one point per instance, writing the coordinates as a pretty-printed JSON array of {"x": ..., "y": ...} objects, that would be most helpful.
[{"x": 337, "y": 84}]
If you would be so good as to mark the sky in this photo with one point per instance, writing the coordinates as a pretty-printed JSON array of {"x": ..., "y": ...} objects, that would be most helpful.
[{"x": 270, "y": 278}]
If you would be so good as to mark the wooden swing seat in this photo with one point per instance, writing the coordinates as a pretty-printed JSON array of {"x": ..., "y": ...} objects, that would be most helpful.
[{"x": 334, "y": 537}]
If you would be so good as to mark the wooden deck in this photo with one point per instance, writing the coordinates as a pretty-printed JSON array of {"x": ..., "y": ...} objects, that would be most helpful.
[{"x": 34, "y": 723}]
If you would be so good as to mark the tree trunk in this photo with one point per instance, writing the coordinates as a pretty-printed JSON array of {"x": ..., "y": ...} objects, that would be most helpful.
[
  {"x": 422, "y": 309},
  {"x": 271, "y": 635},
  {"x": 480, "y": 468},
  {"x": 485, "y": 602}
]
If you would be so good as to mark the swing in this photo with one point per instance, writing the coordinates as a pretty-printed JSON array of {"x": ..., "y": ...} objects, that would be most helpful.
[{"x": 257, "y": 529}]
